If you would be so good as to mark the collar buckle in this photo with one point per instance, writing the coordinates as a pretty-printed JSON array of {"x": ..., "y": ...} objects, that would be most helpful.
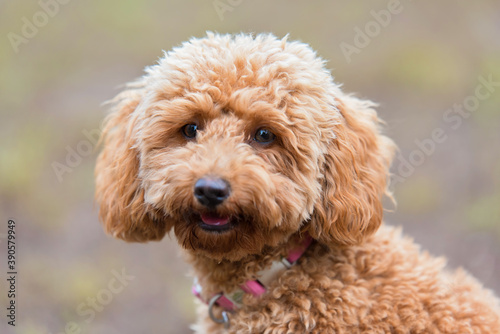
[{"x": 287, "y": 263}]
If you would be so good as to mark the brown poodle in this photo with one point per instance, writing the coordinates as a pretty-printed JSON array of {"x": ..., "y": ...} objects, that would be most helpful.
[{"x": 272, "y": 179}]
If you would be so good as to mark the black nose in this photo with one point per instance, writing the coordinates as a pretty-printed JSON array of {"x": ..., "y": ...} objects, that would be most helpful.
[{"x": 211, "y": 191}]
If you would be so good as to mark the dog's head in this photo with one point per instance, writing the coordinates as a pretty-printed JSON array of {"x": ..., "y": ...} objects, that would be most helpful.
[{"x": 236, "y": 143}]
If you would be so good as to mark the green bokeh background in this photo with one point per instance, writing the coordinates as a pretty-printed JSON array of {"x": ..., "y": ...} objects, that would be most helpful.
[{"x": 428, "y": 58}]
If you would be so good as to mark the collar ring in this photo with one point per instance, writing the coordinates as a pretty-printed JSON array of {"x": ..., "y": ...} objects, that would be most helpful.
[{"x": 225, "y": 318}]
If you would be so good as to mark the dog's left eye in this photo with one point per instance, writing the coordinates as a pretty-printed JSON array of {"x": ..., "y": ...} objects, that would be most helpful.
[
  {"x": 189, "y": 130},
  {"x": 264, "y": 136}
]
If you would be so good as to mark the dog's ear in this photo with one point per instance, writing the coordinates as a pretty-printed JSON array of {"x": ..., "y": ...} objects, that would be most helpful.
[
  {"x": 356, "y": 168},
  {"x": 119, "y": 194}
]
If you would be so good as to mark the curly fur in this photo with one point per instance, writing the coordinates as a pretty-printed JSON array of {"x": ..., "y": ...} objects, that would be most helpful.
[{"x": 325, "y": 175}]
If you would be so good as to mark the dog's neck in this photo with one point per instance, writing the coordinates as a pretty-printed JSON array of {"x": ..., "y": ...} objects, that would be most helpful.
[{"x": 216, "y": 276}]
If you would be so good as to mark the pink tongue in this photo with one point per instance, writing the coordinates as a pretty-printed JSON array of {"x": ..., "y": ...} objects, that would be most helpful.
[{"x": 213, "y": 219}]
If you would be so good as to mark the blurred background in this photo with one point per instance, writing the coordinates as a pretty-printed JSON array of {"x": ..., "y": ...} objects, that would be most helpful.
[{"x": 434, "y": 68}]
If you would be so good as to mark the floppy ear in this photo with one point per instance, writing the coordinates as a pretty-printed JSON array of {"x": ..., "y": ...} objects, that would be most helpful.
[
  {"x": 119, "y": 194},
  {"x": 356, "y": 169}
]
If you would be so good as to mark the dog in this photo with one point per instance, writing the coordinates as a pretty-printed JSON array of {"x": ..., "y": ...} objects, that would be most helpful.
[{"x": 272, "y": 180}]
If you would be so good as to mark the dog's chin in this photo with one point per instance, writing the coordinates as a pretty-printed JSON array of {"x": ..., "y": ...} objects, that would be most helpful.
[{"x": 219, "y": 236}]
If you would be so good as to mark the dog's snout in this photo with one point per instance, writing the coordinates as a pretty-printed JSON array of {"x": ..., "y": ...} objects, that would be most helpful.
[{"x": 210, "y": 191}]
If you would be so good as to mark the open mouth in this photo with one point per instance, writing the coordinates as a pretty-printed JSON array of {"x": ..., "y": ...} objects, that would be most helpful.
[{"x": 212, "y": 221}]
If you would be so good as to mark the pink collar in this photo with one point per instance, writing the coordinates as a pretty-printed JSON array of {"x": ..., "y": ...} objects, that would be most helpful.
[{"x": 233, "y": 300}]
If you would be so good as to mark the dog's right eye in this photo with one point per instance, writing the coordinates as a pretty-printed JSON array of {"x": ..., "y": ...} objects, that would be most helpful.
[
  {"x": 189, "y": 130},
  {"x": 264, "y": 136}
]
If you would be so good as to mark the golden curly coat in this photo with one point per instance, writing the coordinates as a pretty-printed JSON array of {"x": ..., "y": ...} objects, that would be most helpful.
[{"x": 320, "y": 167}]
